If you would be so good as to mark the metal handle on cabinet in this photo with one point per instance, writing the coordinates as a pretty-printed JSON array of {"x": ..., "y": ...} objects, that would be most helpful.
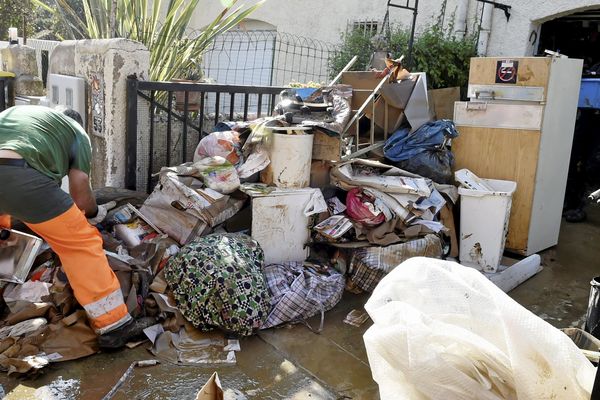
[
  {"x": 485, "y": 94},
  {"x": 476, "y": 106}
]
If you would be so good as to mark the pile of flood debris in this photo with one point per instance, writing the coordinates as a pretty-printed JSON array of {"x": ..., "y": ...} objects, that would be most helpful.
[{"x": 255, "y": 232}]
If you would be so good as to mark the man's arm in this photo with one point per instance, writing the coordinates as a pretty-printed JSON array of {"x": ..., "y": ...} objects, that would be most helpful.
[{"x": 81, "y": 192}]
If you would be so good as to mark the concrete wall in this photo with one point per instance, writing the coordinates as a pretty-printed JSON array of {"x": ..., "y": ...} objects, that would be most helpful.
[
  {"x": 105, "y": 65},
  {"x": 513, "y": 37},
  {"x": 326, "y": 20}
]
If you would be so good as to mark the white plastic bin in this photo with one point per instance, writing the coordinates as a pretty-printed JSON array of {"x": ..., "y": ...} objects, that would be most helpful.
[
  {"x": 484, "y": 224},
  {"x": 291, "y": 156},
  {"x": 280, "y": 225}
]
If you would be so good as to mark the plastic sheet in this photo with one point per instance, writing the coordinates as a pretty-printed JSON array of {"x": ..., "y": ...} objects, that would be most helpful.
[
  {"x": 444, "y": 331},
  {"x": 403, "y": 145},
  {"x": 423, "y": 151},
  {"x": 224, "y": 144}
]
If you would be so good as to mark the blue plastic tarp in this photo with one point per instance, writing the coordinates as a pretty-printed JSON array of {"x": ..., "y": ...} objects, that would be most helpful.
[{"x": 403, "y": 145}]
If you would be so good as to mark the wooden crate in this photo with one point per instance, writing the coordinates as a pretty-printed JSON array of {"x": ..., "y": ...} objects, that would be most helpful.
[
  {"x": 394, "y": 95},
  {"x": 325, "y": 147},
  {"x": 441, "y": 102}
]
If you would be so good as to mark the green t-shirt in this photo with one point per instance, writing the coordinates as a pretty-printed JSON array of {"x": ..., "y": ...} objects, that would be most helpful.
[{"x": 48, "y": 140}]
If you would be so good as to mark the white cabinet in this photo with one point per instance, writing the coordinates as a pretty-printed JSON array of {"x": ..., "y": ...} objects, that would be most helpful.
[{"x": 518, "y": 126}]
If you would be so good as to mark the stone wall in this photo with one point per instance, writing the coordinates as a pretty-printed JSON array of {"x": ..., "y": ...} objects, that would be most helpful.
[{"x": 105, "y": 65}]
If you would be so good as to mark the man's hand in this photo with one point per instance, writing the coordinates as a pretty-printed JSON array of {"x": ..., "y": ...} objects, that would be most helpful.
[
  {"x": 102, "y": 212},
  {"x": 81, "y": 192}
]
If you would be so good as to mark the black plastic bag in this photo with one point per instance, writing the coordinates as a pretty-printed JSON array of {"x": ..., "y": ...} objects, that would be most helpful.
[{"x": 435, "y": 164}]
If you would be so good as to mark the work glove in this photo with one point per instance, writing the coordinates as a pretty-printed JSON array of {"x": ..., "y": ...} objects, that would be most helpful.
[{"x": 103, "y": 210}]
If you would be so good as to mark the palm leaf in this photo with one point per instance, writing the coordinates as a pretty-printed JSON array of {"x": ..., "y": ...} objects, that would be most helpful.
[{"x": 163, "y": 27}]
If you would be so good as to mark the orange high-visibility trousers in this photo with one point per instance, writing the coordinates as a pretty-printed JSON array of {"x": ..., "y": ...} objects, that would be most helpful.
[{"x": 79, "y": 247}]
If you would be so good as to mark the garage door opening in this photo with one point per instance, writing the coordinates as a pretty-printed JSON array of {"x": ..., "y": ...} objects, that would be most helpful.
[{"x": 578, "y": 36}]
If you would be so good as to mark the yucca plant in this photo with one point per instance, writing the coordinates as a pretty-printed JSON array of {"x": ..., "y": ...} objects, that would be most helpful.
[{"x": 161, "y": 25}]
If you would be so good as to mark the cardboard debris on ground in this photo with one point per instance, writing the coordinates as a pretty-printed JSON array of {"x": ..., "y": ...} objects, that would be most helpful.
[
  {"x": 190, "y": 346},
  {"x": 211, "y": 390}
]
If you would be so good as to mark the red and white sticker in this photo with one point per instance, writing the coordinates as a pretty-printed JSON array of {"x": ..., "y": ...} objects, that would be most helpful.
[{"x": 506, "y": 71}]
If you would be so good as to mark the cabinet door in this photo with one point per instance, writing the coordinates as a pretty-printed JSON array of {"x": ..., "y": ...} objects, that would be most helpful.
[
  {"x": 530, "y": 71},
  {"x": 508, "y": 154},
  {"x": 498, "y": 115}
]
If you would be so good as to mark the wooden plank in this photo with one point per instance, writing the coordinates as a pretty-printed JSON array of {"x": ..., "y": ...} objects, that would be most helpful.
[
  {"x": 359, "y": 96},
  {"x": 532, "y": 71},
  {"x": 325, "y": 147},
  {"x": 360, "y": 79},
  {"x": 508, "y": 154},
  {"x": 441, "y": 102}
]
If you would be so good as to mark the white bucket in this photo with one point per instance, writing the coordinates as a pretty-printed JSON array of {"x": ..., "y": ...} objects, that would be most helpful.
[
  {"x": 291, "y": 156},
  {"x": 484, "y": 224}
]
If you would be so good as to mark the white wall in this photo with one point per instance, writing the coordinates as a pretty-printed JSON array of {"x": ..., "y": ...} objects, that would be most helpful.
[
  {"x": 512, "y": 38},
  {"x": 326, "y": 20}
]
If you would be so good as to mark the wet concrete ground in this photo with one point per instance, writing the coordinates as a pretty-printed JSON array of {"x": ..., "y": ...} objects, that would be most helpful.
[{"x": 294, "y": 363}]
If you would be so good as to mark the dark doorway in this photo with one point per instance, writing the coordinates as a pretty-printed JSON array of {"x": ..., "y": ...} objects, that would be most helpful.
[{"x": 578, "y": 36}]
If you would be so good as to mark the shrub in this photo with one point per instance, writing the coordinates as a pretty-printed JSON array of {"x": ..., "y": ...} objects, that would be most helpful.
[{"x": 436, "y": 51}]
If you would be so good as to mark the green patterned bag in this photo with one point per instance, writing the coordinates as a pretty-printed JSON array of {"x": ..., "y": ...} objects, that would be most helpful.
[{"x": 217, "y": 282}]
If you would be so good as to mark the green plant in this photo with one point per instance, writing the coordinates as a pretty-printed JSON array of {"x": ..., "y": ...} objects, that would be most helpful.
[
  {"x": 194, "y": 73},
  {"x": 354, "y": 43},
  {"x": 161, "y": 25},
  {"x": 40, "y": 23},
  {"x": 436, "y": 51}
]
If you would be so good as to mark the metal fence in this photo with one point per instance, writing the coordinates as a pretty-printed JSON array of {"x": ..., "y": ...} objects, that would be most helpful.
[
  {"x": 266, "y": 57},
  {"x": 166, "y": 120},
  {"x": 248, "y": 68}
]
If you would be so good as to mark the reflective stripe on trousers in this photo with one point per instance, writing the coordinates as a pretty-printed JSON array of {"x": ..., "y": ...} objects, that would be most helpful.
[{"x": 79, "y": 247}]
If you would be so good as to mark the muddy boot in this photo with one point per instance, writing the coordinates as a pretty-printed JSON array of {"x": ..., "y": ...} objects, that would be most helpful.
[{"x": 133, "y": 330}]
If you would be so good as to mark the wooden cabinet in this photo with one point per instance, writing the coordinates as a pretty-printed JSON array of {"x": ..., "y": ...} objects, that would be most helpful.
[{"x": 518, "y": 125}]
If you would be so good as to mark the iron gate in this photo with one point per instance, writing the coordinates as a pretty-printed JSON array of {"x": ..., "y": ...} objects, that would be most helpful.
[{"x": 166, "y": 120}]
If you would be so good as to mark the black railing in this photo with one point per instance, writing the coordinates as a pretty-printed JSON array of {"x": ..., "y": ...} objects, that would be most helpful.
[
  {"x": 7, "y": 95},
  {"x": 196, "y": 105}
]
